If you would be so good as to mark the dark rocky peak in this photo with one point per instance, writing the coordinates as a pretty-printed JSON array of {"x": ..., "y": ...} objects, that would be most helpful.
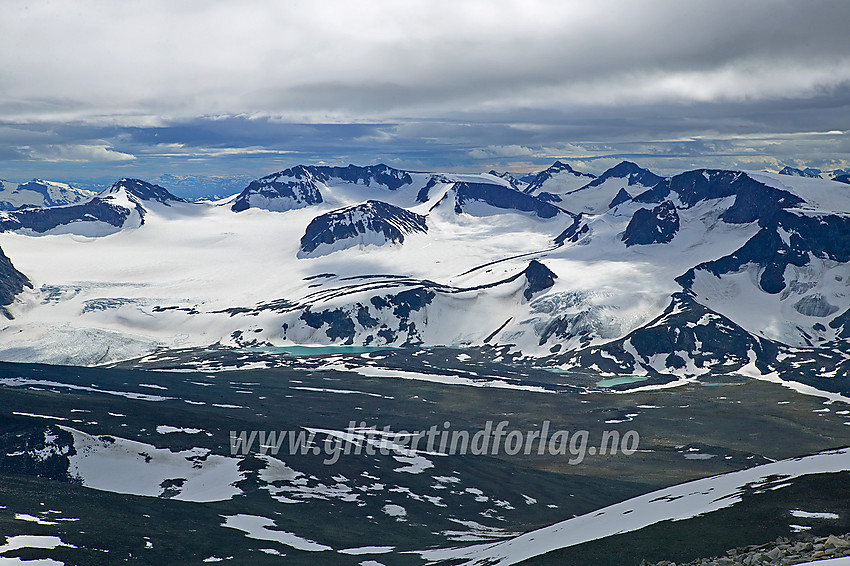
[
  {"x": 12, "y": 282},
  {"x": 709, "y": 340},
  {"x": 369, "y": 175},
  {"x": 513, "y": 181},
  {"x": 803, "y": 237},
  {"x": 298, "y": 186},
  {"x": 621, "y": 197},
  {"x": 538, "y": 278},
  {"x": 379, "y": 174},
  {"x": 499, "y": 196},
  {"x": 636, "y": 175},
  {"x": 425, "y": 192},
  {"x": 372, "y": 222},
  {"x": 573, "y": 232},
  {"x": 142, "y": 190},
  {"x": 656, "y": 226},
  {"x": 287, "y": 190},
  {"x": 807, "y": 172},
  {"x": 556, "y": 168},
  {"x": 754, "y": 200},
  {"x": 695, "y": 186}
]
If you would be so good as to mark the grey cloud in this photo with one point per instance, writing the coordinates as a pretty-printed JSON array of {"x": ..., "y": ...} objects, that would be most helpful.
[{"x": 424, "y": 84}]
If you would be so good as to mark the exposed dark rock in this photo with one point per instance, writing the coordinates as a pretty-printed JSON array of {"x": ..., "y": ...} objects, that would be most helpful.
[
  {"x": 106, "y": 207},
  {"x": 144, "y": 191},
  {"x": 636, "y": 175},
  {"x": 549, "y": 197},
  {"x": 554, "y": 169},
  {"x": 815, "y": 305},
  {"x": 685, "y": 328},
  {"x": 620, "y": 198},
  {"x": 824, "y": 237},
  {"x": 297, "y": 187},
  {"x": 344, "y": 324},
  {"x": 339, "y": 324},
  {"x": 376, "y": 217},
  {"x": 656, "y": 226},
  {"x": 538, "y": 277},
  {"x": 753, "y": 200},
  {"x": 842, "y": 322},
  {"x": 807, "y": 172},
  {"x": 44, "y": 219},
  {"x": 291, "y": 188},
  {"x": 12, "y": 281},
  {"x": 52, "y": 194},
  {"x": 499, "y": 196},
  {"x": 513, "y": 181},
  {"x": 425, "y": 192},
  {"x": 573, "y": 232}
]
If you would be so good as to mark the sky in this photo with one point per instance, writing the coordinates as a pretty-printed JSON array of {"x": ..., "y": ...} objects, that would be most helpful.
[{"x": 103, "y": 89}]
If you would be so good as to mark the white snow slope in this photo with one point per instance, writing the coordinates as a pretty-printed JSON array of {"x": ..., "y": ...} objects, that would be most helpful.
[{"x": 194, "y": 274}]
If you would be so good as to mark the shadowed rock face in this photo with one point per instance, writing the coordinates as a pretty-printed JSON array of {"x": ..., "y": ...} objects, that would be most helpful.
[
  {"x": 815, "y": 305},
  {"x": 823, "y": 237},
  {"x": 573, "y": 232},
  {"x": 538, "y": 278},
  {"x": 12, "y": 281},
  {"x": 620, "y": 198},
  {"x": 107, "y": 207},
  {"x": 287, "y": 190},
  {"x": 42, "y": 220},
  {"x": 686, "y": 328},
  {"x": 382, "y": 221},
  {"x": 656, "y": 226},
  {"x": 499, "y": 196},
  {"x": 44, "y": 193},
  {"x": 555, "y": 169},
  {"x": 807, "y": 172},
  {"x": 627, "y": 170},
  {"x": 144, "y": 191},
  {"x": 298, "y": 186}
]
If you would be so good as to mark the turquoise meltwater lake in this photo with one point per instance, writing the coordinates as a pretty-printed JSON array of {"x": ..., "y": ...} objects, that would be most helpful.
[{"x": 620, "y": 380}]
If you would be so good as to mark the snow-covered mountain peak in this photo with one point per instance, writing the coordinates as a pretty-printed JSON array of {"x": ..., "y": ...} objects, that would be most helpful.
[
  {"x": 123, "y": 205},
  {"x": 40, "y": 193},
  {"x": 484, "y": 199},
  {"x": 138, "y": 190},
  {"x": 634, "y": 173},
  {"x": 370, "y": 223},
  {"x": 807, "y": 172},
  {"x": 558, "y": 178},
  {"x": 704, "y": 258},
  {"x": 307, "y": 185},
  {"x": 511, "y": 179},
  {"x": 614, "y": 187}
]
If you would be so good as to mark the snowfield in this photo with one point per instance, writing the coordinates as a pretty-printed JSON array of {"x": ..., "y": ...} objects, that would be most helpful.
[
  {"x": 672, "y": 504},
  {"x": 423, "y": 259}
]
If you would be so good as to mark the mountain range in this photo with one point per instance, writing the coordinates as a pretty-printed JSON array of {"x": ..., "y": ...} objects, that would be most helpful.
[{"x": 627, "y": 273}]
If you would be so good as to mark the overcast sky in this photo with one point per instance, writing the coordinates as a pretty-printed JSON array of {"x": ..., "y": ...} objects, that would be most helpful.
[{"x": 140, "y": 88}]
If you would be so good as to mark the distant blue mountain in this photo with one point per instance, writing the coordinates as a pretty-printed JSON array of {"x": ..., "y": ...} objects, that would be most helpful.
[{"x": 807, "y": 172}]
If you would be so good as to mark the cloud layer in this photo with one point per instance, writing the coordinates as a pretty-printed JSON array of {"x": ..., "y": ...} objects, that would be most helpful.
[{"x": 463, "y": 85}]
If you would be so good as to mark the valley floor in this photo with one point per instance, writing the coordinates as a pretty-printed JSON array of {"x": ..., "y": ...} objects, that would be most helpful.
[{"x": 107, "y": 465}]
